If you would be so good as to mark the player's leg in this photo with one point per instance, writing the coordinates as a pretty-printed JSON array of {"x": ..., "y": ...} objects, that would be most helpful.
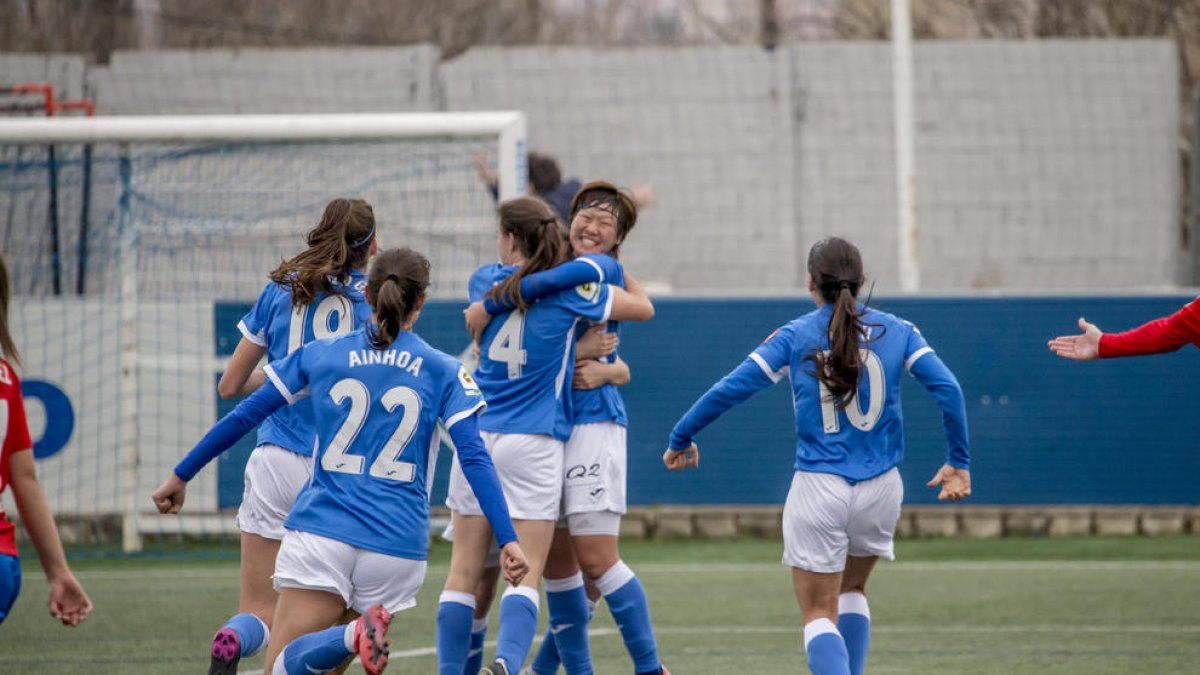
[
  {"x": 456, "y": 606},
  {"x": 519, "y": 604},
  {"x": 312, "y": 577},
  {"x": 530, "y": 468},
  {"x": 815, "y": 543},
  {"x": 273, "y": 477},
  {"x": 594, "y": 499},
  {"x": 485, "y": 594},
  {"x": 567, "y": 604},
  {"x": 872, "y": 531}
]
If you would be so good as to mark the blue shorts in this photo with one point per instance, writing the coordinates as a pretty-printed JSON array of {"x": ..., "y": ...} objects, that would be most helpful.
[{"x": 10, "y": 583}]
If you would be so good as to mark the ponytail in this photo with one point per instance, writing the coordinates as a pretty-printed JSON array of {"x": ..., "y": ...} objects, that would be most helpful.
[
  {"x": 340, "y": 243},
  {"x": 835, "y": 266},
  {"x": 396, "y": 283},
  {"x": 539, "y": 239}
]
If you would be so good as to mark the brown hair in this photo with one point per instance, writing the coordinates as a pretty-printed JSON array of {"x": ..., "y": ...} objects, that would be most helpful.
[
  {"x": 604, "y": 195},
  {"x": 544, "y": 173},
  {"x": 539, "y": 239},
  {"x": 8, "y": 348},
  {"x": 837, "y": 272},
  {"x": 341, "y": 242},
  {"x": 396, "y": 282}
]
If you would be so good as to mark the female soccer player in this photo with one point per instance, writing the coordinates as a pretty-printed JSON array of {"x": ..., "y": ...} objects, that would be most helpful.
[
  {"x": 68, "y": 602},
  {"x": 594, "y": 480},
  {"x": 844, "y": 362},
  {"x": 315, "y": 294},
  {"x": 1160, "y": 336},
  {"x": 357, "y": 537},
  {"x": 526, "y": 363}
]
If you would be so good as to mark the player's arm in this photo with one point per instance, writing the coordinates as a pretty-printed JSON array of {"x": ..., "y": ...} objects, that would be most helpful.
[
  {"x": 954, "y": 476},
  {"x": 739, "y": 385},
  {"x": 480, "y": 472},
  {"x": 593, "y": 374},
  {"x": 242, "y": 375},
  {"x": 246, "y": 416},
  {"x": 1155, "y": 337},
  {"x": 630, "y": 305},
  {"x": 67, "y": 600},
  {"x": 538, "y": 285}
]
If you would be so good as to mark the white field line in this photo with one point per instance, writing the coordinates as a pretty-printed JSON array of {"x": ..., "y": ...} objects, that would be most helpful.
[
  {"x": 1065, "y": 629},
  {"x": 760, "y": 568}
]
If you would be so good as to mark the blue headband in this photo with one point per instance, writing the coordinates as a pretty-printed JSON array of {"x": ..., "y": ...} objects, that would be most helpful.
[{"x": 365, "y": 240}]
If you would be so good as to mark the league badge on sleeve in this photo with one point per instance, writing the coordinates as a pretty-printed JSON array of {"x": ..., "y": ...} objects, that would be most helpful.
[
  {"x": 589, "y": 291},
  {"x": 468, "y": 383}
]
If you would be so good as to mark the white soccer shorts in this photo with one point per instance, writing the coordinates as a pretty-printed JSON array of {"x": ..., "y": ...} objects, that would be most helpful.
[
  {"x": 826, "y": 518},
  {"x": 594, "y": 469},
  {"x": 273, "y": 478},
  {"x": 363, "y": 578},
  {"x": 530, "y": 468}
]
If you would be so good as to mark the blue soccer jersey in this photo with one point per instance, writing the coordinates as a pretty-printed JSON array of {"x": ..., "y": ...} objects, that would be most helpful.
[
  {"x": 275, "y": 324},
  {"x": 604, "y": 403},
  {"x": 377, "y": 413},
  {"x": 526, "y": 359},
  {"x": 866, "y": 437}
]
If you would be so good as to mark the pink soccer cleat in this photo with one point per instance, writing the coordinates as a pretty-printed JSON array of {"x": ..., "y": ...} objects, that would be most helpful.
[
  {"x": 226, "y": 652},
  {"x": 370, "y": 639}
]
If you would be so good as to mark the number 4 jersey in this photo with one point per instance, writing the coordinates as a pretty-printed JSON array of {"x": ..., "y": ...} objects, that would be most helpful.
[
  {"x": 376, "y": 417},
  {"x": 866, "y": 437}
]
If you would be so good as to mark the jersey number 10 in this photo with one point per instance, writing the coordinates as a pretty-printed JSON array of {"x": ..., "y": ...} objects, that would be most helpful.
[{"x": 876, "y": 385}]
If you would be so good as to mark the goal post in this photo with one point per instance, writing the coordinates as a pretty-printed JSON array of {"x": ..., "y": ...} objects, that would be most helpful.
[{"x": 186, "y": 216}]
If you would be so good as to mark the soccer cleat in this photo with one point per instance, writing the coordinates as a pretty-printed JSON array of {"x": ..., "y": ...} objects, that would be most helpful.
[
  {"x": 496, "y": 668},
  {"x": 370, "y": 643},
  {"x": 226, "y": 652}
]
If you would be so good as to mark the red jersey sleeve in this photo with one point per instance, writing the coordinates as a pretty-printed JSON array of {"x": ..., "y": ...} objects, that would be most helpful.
[
  {"x": 16, "y": 429},
  {"x": 1156, "y": 337}
]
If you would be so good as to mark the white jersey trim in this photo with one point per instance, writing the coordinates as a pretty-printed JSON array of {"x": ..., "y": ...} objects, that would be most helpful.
[
  {"x": 908, "y": 364},
  {"x": 274, "y": 378},
  {"x": 608, "y": 303},
  {"x": 256, "y": 338},
  {"x": 593, "y": 263},
  {"x": 775, "y": 375},
  {"x": 464, "y": 414}
]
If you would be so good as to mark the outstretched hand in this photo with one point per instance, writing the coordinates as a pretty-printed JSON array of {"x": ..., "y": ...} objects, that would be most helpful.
[
  {"x": 1084, "y": 347},
  {"x": 68, "y": 602},
  {"x": 169, "y": 496},
  {"x": 513, "y": 563},
  {"x": 955, "y": 482},
  {"x": 678, "y": 460}
]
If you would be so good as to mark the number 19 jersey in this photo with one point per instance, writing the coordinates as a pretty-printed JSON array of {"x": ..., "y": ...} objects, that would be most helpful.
[
  {"x": 275, "y": 324},
  {"x": 377, "y": 413},
  {"x": 526, "y": 359}
]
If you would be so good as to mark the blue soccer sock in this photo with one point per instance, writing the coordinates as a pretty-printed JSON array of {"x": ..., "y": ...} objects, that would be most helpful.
[
  {"x": 826, "y": 650},
  {"x": 854, "y": 623},
  {"x": 318, "y": 652},
  {"x": 455, "y": 613},
  {"x": 252, "y": 632},
  {"x": 566, "y": 602},
  {"x": 518, "y": 625},
  {"x": 627, "y": 601},
  {"x": 478, "y": 637},
  {"x": 546, "y": 662}
]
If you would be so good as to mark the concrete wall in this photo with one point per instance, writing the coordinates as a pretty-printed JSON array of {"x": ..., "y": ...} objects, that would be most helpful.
[{"x": 1041, "y": 165}]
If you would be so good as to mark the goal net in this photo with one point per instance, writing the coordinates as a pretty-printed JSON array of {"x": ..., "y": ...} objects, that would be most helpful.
[{"x": 135, "y": 244}]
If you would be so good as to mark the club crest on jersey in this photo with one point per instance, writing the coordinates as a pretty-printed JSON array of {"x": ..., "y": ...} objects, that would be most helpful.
[
  {"x": 589, "y": 291},
  {"x": 468, "y": 383}
]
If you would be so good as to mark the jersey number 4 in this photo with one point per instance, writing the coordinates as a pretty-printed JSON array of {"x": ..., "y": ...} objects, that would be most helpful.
[
  {"x": 506, "y": 346},
  {"x": 876, "y": 385},
  {"x": 387, "y": 464}
]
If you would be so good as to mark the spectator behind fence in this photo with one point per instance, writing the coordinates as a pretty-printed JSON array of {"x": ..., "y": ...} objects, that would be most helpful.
[{"x": 546, "y": 181}]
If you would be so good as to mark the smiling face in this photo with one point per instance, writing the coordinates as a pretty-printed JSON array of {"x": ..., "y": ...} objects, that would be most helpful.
[{"x": 594, "y": 230}]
